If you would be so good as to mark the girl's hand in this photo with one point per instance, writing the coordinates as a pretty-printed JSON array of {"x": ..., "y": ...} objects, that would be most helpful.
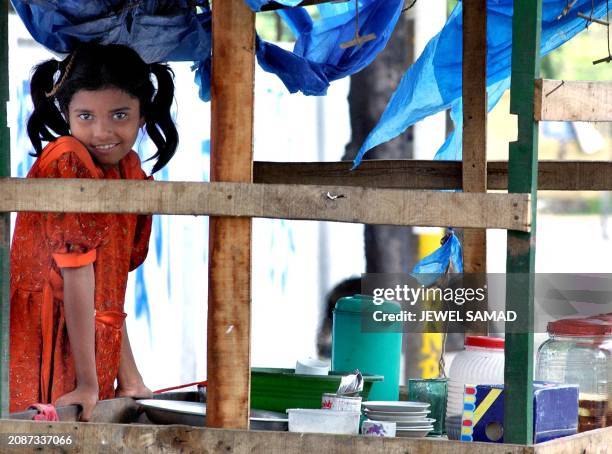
[
  {"x": 136, "y": 390},
  {"x": 85, "y": 396}
]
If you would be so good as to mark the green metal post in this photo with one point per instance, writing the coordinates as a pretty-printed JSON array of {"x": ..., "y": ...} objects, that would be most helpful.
[
  {"x": 5, "y": 218},
  {"x": 522, "y": 178}
]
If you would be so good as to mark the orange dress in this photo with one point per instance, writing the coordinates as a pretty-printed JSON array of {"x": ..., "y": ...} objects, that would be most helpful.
[{"x": 41, "y": 364}]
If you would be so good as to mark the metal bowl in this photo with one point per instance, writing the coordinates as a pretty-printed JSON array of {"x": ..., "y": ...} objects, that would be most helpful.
[{"x": 194, "y": 414}]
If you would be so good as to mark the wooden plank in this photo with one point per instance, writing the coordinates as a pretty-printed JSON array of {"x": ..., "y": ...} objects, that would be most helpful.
[
  {"x": 374, "y": 173},
  {"x": 474, "y": 96},
  {"x": 415, "y": 174},
  {"x": 474, "y": 87},
  {"x": 328, "y": 203},
  {"x": 564, "y": 100},
  {"x": 522, "y": 178},
  {"x": 5, "y": 219},
  {"x": 95, "y": 437},
  {"x": 592, "y": 442},
  {"x": 229, "y": 260},
  {"x": 398, "y": 174},
  {"x": 122, "y": 410}
]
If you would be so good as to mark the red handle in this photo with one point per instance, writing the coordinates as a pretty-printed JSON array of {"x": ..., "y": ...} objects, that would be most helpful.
[{"x": 199, "y": 383}]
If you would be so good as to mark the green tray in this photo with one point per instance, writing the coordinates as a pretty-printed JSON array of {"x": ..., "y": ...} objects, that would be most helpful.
[{"x": 280, "y": 389}]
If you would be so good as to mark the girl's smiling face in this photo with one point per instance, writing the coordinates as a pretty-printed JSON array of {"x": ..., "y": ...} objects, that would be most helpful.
[{"x": 106, "y": 121}]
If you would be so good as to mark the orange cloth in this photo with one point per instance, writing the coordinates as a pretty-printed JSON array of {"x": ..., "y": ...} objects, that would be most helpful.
[{"x": 41, "y": 364}]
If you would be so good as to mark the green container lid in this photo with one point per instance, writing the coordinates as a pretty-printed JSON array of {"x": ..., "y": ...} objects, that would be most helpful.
[{"x": 360, "y": 303}]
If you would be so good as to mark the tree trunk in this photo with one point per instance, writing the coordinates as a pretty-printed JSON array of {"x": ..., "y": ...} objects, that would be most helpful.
[{"x": 388, "y": 249}]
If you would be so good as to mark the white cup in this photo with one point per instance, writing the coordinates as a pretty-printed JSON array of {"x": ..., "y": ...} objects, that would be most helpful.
[
  {"x": 311, "y": 366},
  {"x": 371, "y": 428}
]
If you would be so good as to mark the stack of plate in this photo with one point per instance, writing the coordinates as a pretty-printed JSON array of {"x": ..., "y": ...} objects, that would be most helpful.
[{"x": 410, "y": 417}]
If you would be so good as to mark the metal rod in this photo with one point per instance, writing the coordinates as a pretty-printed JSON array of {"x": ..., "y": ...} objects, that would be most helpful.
[{"x": 593, "y": 19}]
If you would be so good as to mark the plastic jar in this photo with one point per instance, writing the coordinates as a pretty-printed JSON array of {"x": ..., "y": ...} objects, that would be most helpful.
[
  {"x": 375, "y": 352},
  {"x": 481, "y": 363},
  {"x": 579, "y": 351}
]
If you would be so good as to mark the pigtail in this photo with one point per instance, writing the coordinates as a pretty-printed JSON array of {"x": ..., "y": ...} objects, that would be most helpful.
[
  {"x": 158, "y": 118},
  {"x": 46, "y": 117}
]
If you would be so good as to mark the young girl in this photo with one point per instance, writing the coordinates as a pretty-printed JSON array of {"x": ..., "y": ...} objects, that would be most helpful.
[{"x": 69, "y": 271}]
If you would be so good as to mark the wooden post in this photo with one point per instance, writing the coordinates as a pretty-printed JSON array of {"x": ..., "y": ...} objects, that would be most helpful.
[
  {"x": 475, "y": 131},
  {"x": 474, "y": 123},
  {"x": 229, "y": 287},
  {"x": 520, "y": 267},
  {"x": 5, "y": 218}
]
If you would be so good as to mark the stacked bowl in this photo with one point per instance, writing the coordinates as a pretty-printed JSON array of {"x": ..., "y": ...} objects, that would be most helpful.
[{"x": 410, "y": 417}]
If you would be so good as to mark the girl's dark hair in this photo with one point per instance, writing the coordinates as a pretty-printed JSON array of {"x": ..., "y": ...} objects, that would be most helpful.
[{"x": 95, "y": 66}]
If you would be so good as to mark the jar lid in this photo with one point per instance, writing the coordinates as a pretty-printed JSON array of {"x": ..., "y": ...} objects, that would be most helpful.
[
  {"x": 358, "y": 303},
  {"x": 580, "y": 327},
  {"x": 484, "y": 342}
]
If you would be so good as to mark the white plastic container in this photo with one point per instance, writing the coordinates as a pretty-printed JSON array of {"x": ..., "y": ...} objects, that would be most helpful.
[
  {"x": 323, "y": 421},
  {"x": 481, "y": 363},
  {"x": 331, "y": 401}
]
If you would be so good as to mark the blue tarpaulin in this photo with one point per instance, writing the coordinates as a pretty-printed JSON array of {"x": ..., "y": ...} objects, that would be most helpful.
[
  {"x": 175, "y": 31},
  {"x": 158, "y": 30},
  {"x": 433, "y": 82},
  {"x": 447, "y": 258},
  {"x": 317, "y": 58},
  {"x": 256, "y": 5}
]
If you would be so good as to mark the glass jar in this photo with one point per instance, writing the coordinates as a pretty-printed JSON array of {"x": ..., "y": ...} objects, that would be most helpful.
[
  {"x": 481, "y": 363},
  {"x": 579, "y": 351}
]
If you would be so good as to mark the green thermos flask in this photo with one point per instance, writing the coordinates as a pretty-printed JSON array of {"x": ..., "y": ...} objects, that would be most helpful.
[{"x": 361, "y": 342}]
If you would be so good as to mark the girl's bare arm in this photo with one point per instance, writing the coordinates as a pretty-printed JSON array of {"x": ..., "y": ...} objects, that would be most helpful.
[
  {"x": 129, "y": 381},
  {"x": 79, "y": 286}
]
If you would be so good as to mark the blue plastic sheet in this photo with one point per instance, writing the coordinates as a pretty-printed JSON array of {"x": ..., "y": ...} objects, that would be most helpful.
[
  {"x": 433, "y": 82},
  {"x": 432, "y": 267},
  {"x": 256, "y": 5},
  {"x": 173, "y": 31},
  {"x": 158, "y": 30},
  {"x": 317, "y": 58}
]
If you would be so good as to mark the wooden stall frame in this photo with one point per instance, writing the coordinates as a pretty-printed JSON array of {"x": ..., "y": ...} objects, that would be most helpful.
[
  {"x": 110, "y": 437},
  {"x": 474, "y": 150},
  {"x": 522, "y": 178},
  {"x": 522, "y": 187},
  {"x": 474, "y": 73},
  {"x": 229, "y": 257},
  {"x": 309, "y": 202}
]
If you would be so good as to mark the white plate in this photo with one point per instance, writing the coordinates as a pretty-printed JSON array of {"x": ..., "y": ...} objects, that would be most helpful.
[
  {"x": 189, "y": 408},
  {"x": 414, "y": 424},
  {"x": 406, "y": 417},
  {"x": 419, "y": 414},
  {"x": 391, "y": 406},
  {"x": 413, "y": 433}
]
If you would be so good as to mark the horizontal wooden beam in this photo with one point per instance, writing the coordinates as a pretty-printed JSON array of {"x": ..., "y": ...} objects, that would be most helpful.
[
  {"x": 272, "y": 6},
  {"x": 325, "y": 203},
  {"x": 562, "y": 100},
  {"x": 100, "y": 437},
  {"x": 109, "y": 437},
  {"x": 413, "y": 174}
]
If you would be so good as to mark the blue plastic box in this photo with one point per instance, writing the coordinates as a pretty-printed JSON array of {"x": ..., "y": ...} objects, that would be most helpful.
[{"x": 555, "y": 412}]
